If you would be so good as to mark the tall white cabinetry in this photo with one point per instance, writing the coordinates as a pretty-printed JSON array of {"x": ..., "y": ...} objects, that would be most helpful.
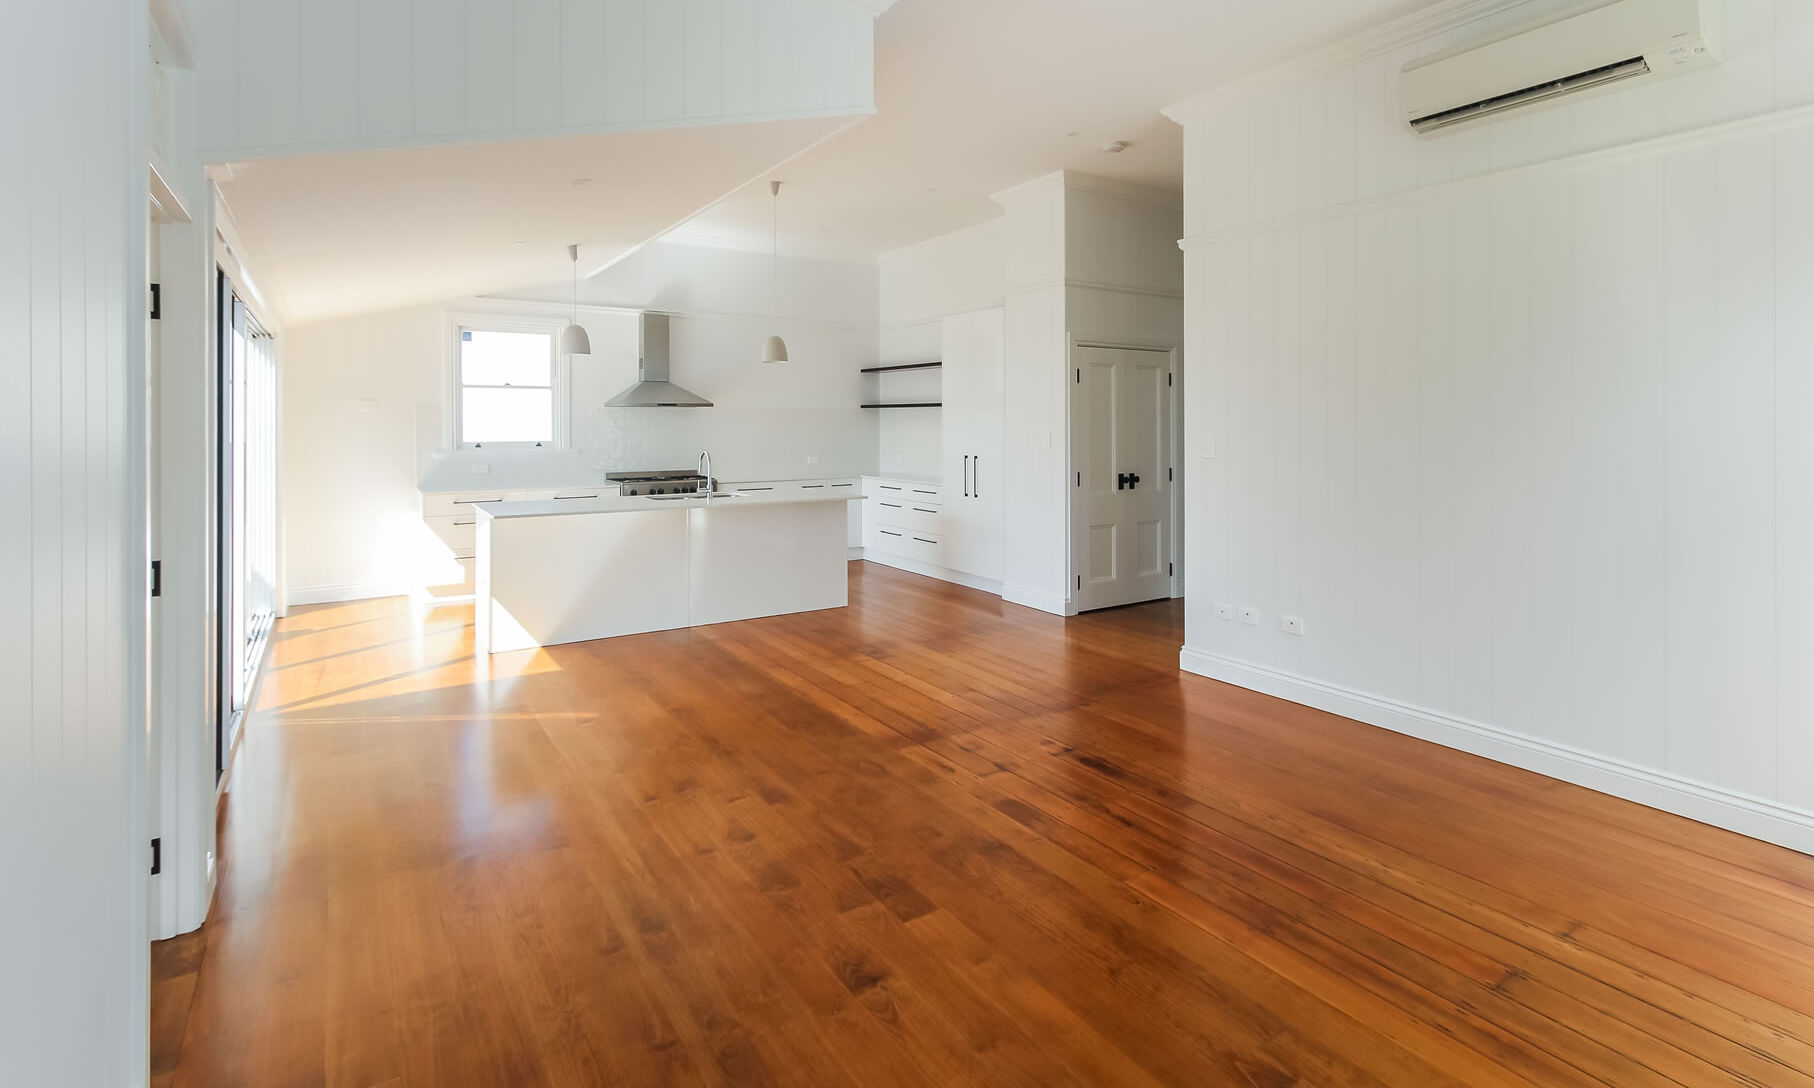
[{"x": 972, "y": 430}]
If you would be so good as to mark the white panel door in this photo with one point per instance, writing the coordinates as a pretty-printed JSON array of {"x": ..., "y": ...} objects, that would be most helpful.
[
  {"x": 972, "y": 525},
  {"x": 1121, "y": 520}
]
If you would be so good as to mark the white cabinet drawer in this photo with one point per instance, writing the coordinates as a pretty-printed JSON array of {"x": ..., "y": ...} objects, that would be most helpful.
[
  {"x": 457, "y": 531},
  {"x": 922, "y": 518},
  {"x": 906, "y": 543},
  {"x": 442, "y": 504},
  {"x": 906, "y": 489},
  {"x": 886, "y": 510}
]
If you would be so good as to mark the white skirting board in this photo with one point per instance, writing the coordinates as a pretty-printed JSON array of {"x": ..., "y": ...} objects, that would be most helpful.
[
  {"x": 1032, "y": 598},
  {"x": 943, "y": 574},
  {"x": 1756, "y": 817},
  {"x": 352, "y": 591}
]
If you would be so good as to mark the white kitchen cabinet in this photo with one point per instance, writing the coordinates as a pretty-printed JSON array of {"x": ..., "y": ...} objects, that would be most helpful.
[
  {"x": 853, "y": 518},
  {"x": 973, "y": 530},
  {"x": 453, "y": 515}
]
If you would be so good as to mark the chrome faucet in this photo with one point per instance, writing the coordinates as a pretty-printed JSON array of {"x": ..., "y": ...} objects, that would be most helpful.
[{"x": 705, "y": 469}]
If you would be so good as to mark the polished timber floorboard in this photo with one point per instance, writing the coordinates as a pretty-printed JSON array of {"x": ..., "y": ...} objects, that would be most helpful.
[{"x": 935, "y": 839}]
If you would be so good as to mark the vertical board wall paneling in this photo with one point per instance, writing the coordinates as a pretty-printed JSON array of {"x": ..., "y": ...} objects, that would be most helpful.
[
  {"x": 1795, "y": 460},
  {"x": 1575, "y": 496},
  {"x": 306, "y": 76},
  {"x": 72, "y": 759}
]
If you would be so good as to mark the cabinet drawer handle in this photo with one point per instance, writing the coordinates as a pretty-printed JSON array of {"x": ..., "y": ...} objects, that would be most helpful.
[
  {"x": 923, "y": 510},
  {"x": 755, "y": 489},
  {"x": 470, "y": 502},
  {"x": 923, "y": 540},
  {"x": 891, "y": 487},
  {"x": 466, "y": 522},
  {"x": 917, "y": 491},
  {"x": 886, "y": 532},
  {"x": 892, "y": 505},
  {"x": 576, "y": 496},
  {"x": 838, "y": 485},
  {"x": 808, "y": 487}
]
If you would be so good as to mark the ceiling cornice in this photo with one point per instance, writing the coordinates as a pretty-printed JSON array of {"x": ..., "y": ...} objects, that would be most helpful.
[{"x": 1438, "y": 18}]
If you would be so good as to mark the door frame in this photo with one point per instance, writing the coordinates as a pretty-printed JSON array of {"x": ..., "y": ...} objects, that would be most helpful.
[{"x": 1175, "y": 450}]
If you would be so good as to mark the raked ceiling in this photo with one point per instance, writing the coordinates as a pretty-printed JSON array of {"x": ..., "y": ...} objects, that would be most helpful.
[
  {"x": 350, "y": 232},
  {"x": 972, "y": 96}
]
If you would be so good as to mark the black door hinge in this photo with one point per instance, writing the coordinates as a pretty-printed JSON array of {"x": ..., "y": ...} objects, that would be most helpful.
[
  {"x": 1168, "y": 475},
  {"x": 157, "y": 856},
  {"x": 1170, "y": 570},
  {"x": 1168, "y": 379},
  {"x": 157, "y": 577},
  {"x": 157, "y": 302},
  {"x": 1079, "y": 375},
  {"x": 1080, "y": 581},
  {"x": 1080, "y": 479}
]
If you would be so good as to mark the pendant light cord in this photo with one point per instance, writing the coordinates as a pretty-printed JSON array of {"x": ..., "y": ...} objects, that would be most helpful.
[{"x": 774, "y": 241}]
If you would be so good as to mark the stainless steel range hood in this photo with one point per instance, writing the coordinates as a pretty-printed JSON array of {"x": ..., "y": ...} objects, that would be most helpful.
[{"x": 654, "y": 390}]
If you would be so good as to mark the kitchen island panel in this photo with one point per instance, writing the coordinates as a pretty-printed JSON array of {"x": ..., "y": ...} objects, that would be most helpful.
[{"x": 579, "y": 577}]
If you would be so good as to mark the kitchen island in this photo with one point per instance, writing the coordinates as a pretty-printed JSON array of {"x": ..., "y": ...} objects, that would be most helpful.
[{"x": 552, "y": 571}]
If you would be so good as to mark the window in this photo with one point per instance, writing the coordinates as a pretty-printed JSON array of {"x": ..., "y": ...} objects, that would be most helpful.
[{"x": 507, "y": 385}]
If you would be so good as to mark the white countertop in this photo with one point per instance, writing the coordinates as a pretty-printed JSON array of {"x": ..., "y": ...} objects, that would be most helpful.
[{"x": 643, "y": 504}]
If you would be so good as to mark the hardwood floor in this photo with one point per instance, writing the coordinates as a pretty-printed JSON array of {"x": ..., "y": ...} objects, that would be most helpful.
[{"x": 935, "y": 839}]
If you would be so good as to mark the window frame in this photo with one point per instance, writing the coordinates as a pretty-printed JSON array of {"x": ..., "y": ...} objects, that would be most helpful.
[{"x": 560, "y": 430}]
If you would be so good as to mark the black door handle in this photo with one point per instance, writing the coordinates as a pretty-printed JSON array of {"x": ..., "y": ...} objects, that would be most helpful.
[
  {"x": 976, "y": 476},
  {"x": 1121, "y": 480},
  {"x": 966, "y": 475},
  {"x": 1133, "y": 479}
]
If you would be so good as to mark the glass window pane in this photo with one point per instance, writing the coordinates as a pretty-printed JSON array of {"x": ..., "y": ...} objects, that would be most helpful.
[
  {"x": 506, "y": 415},
  {"x": 505, "y": 358}
]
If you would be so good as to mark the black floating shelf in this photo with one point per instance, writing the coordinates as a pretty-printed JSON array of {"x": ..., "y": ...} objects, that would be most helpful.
[
  {"x": 900, "y": 366},
  {"x": 909, "y": 404}
]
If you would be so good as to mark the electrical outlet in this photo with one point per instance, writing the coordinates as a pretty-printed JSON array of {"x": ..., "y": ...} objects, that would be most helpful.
[
  {"x": 1225, "y": 611},
  {"x": 1291, "y": 625},
  {"x": 1249, "y": 616},
  {"x": 479, "y": 470},
  {"x": 812, "y": 458}
]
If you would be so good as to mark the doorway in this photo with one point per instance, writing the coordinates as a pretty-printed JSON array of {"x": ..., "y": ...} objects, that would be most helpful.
[{"x": 1122, "y": 514}]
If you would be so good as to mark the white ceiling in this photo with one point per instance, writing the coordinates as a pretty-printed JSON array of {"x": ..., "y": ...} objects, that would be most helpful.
[
  {"x": 974, "y": 96},
  {"x": 351, "y": 232}
]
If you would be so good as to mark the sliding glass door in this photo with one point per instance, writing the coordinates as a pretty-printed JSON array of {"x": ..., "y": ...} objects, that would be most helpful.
[{"x": 248, "y": 521}]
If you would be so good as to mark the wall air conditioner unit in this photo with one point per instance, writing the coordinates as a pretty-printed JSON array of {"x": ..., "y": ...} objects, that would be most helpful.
[{"x": 1611, "y": 43}]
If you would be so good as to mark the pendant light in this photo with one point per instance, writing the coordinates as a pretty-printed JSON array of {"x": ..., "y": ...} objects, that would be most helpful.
[
  {"x": 774, "y": 350},
  {"x": 574, "y": 340}
]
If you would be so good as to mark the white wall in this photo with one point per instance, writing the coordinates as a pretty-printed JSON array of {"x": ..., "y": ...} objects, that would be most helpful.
[
  {"x": 1517, "y": 419},
  {"x": 283, "y": 76},
  {"x": 922, "y": 284},
  {"x": 72, "y": 545},
  {"x": 186, "y": 404},
  {"x": 364, "y": 401},
  {"x": 1084, "y": 257}
]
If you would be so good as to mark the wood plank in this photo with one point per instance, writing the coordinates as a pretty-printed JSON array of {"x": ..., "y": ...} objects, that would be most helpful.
[{"x": 933, "y": 838}]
